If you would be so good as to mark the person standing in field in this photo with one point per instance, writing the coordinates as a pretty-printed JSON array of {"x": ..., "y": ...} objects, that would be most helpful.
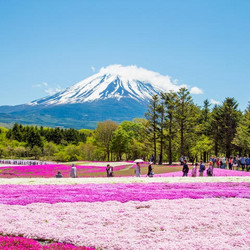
[
  {"x": 185, "y": 168},
  {"x": 194, "y": 170},
  {"x": 138, "y": 170},
  {"x": 111, "y": 170},
  {"x": 230, "y": 163},
  {"x": 247, "y": 163},
  {"x": 107, "y": 170},
  {"x": 150, "y": 170},
  {"x": 73, "y": 171},
  {"x": 202, "y": 169},
  {"x": 210, "y": 169},
  {"x": 242, "y": 162}
]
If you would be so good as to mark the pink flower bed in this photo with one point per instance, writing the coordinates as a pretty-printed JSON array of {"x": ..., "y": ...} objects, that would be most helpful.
[
  {"x": 217, "y": 172},
  {"x": 131, "y": 216},
  {"x": 155, "y": 224},
  {"x": 27, "y": 194},
  {"x": 48, "y": 171},
  {"x": 20, "y": 243}
]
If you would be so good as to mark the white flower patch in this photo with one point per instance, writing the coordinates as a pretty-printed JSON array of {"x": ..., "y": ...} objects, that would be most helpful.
[{"x": 113, "y": 180}]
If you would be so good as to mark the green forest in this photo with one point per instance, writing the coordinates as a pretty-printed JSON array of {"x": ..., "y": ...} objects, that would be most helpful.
[{"x": 173, "y": 126}]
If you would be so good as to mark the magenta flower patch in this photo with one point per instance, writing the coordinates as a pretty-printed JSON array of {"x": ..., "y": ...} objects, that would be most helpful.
[
  {"x": 20, "y": 243},
  {"x": 27, "y": 194}
]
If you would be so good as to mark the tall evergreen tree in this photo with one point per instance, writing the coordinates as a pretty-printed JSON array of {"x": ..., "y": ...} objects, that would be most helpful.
[
  {"x": 161, "y": 113},
  {"x": 153, "y": 119},
  {"x": 205, "y": 123},
  {"x": 170, "y": 109},
  {"x": 229, "y": 118},
  {"x": 185, "y": 117},
  {"x": 215, "y": 125}
]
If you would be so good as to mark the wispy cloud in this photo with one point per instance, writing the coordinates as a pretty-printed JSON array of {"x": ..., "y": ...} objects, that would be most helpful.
[
  {"x": 37, "y": 85},
  {"x": 196, "y": 91},
  {"x": 93, "y": 68},
  {"x": 47, "y": 89},
  {"x": 214, "y": 102}
]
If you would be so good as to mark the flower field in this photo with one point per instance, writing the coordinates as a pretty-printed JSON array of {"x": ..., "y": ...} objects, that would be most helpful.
[{"x": 163, "y": 212}]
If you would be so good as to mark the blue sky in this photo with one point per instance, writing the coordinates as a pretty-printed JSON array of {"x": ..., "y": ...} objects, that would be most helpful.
[{"x": 50, "y": 45}]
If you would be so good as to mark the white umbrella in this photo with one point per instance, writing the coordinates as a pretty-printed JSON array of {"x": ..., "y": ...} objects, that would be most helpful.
[{"x": 138, "y": 160}]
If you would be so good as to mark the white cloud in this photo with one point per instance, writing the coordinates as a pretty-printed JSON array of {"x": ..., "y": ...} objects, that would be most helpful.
[
  {"x": 196, "y": 91},
  {"x": 93, "y": 68},
  {"x": 50, "y": 91},
  {"x": 47, "y": 89},
  {"x": 37, "y": 85},
  {"x": 163, "y": 83},
  {"x": 214, "y": 102}
]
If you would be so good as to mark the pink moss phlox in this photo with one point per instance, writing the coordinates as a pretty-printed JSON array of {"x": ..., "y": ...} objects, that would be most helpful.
[
  {"x": 48, "y": 171},
  {"x": 20, "y": 243},
  {"x": 27, "y": 194},
  {"x": 217, "y": 172}
]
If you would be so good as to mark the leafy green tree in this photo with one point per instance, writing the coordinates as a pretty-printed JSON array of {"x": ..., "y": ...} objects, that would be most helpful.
[
  {"x": 104, "y": 134},
  {"x": 204, "y": 144},
  {"x": 88, "y": 151},
  {"x": 242, "y": 136},
  {"x": 62, "y": 156},
  {"x": 20, "y": 151},
  {"x": 36, "y": 151},
  {"x": 120, "y": 143},
  {"x": 73, "y": 152},
  {"x": 50, "y": 149}
]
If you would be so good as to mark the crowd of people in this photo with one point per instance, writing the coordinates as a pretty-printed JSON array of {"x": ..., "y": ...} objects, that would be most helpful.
[
  {"x": 196, "y": 167},
  {"x": 231, "y": 163}
]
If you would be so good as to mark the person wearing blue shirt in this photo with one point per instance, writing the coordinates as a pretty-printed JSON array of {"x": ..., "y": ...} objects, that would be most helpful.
[
  {"x": 248, "y": 163},
  {"x": 242, "y": 163},
  {"x": 202, "y": 169}
]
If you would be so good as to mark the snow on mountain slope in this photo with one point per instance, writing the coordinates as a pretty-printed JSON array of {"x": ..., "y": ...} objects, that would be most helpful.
[{"x": 114, "y": 81}]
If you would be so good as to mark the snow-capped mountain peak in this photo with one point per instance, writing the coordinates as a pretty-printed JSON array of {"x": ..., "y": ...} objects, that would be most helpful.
[{"x": 114, "y": 81}]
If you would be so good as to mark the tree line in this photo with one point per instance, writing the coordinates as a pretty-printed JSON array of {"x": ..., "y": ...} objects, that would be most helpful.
[{"x": 173, "y": 126}]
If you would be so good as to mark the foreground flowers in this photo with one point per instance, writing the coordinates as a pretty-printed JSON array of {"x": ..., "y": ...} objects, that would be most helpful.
[
  {"x": 156, "y": 224},
  {"x": 127, "y": 213},
  {"x": 9, "y": 243}
]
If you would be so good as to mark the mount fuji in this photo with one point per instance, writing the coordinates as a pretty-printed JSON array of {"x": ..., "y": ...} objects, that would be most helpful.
[{"x": 116, "y": 92}]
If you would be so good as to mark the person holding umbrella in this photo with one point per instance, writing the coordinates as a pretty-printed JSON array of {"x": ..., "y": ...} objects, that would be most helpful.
[{"x": 138, "y": 167}]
